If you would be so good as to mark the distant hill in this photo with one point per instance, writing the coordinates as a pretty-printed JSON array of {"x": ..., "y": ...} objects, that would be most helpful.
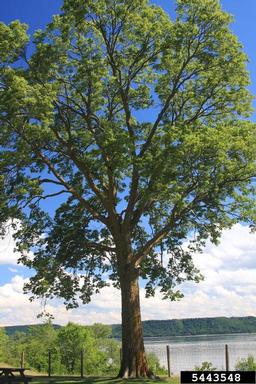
[
  {"x": 179, "y": 327},
  {"x": 200, "y": 326},
  {"x": 10, "y": 330}
]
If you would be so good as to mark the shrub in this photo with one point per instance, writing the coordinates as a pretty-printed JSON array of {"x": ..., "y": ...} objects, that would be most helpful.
[
  {"x": 206, "y": 366},
  {"x": 247, "y": 364},
  {"x": 154, "y": 364}
]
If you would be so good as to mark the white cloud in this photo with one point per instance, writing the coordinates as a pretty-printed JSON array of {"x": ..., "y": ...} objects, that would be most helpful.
[
  {"x": 7, "y": 245},
  {"x": 236, "y": 250},
  {"x": 17, "y": 309},
  {"x": 226, "y": 290}
]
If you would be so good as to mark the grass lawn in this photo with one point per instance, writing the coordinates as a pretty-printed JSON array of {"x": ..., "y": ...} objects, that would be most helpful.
[
  {"x": 100, "y": 380},
  {"x": 38, "y": 379}
]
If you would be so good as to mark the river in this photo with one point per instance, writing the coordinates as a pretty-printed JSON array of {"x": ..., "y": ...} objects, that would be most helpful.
[{"x": 188, "y": 351}]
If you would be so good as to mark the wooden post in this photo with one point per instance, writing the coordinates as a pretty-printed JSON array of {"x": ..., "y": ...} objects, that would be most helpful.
[
  {"x": 49, "y": 363},
  {"x": 22, "y": 359},
  {"x": 120, "y": 355},
  {"x": 82, "y": 363},
  {"x": 168, "y": 360},
  {"x": 226, "y": 357}
]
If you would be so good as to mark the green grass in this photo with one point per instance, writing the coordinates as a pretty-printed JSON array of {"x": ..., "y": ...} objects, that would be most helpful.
[
  {"x": 38, "y": 379},
  {"x": 100, "y": 380}
]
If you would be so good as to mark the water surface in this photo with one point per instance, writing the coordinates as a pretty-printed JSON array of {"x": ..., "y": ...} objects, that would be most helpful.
[{"x": 186, "y": 352}]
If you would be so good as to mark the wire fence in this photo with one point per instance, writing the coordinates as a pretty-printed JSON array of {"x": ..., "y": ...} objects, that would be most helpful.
[{"x": 184, "y": 357}]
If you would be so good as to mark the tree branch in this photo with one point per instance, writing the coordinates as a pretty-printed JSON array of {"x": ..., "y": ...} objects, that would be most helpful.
[
  {"x": 43, "y": 197},
  {"x": 144, "y": 250},
  {"x": 70, "y": 189},
  {"x": 100, "y": 246}
]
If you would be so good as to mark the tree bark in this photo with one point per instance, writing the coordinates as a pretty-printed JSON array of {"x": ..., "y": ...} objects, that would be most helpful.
[{"x": 133, "y": 362}]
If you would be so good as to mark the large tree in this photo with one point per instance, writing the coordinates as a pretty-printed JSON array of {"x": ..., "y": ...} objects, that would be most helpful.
[{"x": 123, "y": 134}]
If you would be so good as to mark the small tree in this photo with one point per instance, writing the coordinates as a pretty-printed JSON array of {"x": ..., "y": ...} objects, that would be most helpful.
[
  {"x": 40, "y": 340},
  {"x": 134, "y": 125},
  {"x": 72, "y": 339}
]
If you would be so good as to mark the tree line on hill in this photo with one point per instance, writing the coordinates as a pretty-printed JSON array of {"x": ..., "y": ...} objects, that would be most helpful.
[
  {"x": 199, "y": 326},
  {"x": 178, "y": 327}
]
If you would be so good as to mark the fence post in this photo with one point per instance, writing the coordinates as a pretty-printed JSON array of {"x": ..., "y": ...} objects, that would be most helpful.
[
  {"x": 82, "y": 363},
  {"x": 49, "y": 363},
  {"x": 121, "y": 356},
  {"x": 168, "y": 360},
  {"x": 22, "y": 359},
  {"x": 226, "y": 357}
]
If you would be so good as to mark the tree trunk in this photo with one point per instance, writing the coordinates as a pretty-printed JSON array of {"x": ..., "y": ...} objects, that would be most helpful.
[{"x": 133, "y": 362}]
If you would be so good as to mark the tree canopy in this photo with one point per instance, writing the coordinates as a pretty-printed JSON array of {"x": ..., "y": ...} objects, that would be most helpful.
[
  {"x": 136, "y": 126},
  {"x": 70, "y": 118}
]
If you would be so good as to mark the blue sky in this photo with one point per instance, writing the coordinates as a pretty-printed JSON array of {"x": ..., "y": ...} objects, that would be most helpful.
[{"x": 229, "y": 269}]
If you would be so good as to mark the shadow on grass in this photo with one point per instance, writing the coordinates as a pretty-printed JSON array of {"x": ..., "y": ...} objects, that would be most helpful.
[{"x": 97, "y": 380}]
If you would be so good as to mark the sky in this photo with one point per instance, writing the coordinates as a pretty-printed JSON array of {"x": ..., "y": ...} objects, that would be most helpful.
[{"x": 229, "y": 287}]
